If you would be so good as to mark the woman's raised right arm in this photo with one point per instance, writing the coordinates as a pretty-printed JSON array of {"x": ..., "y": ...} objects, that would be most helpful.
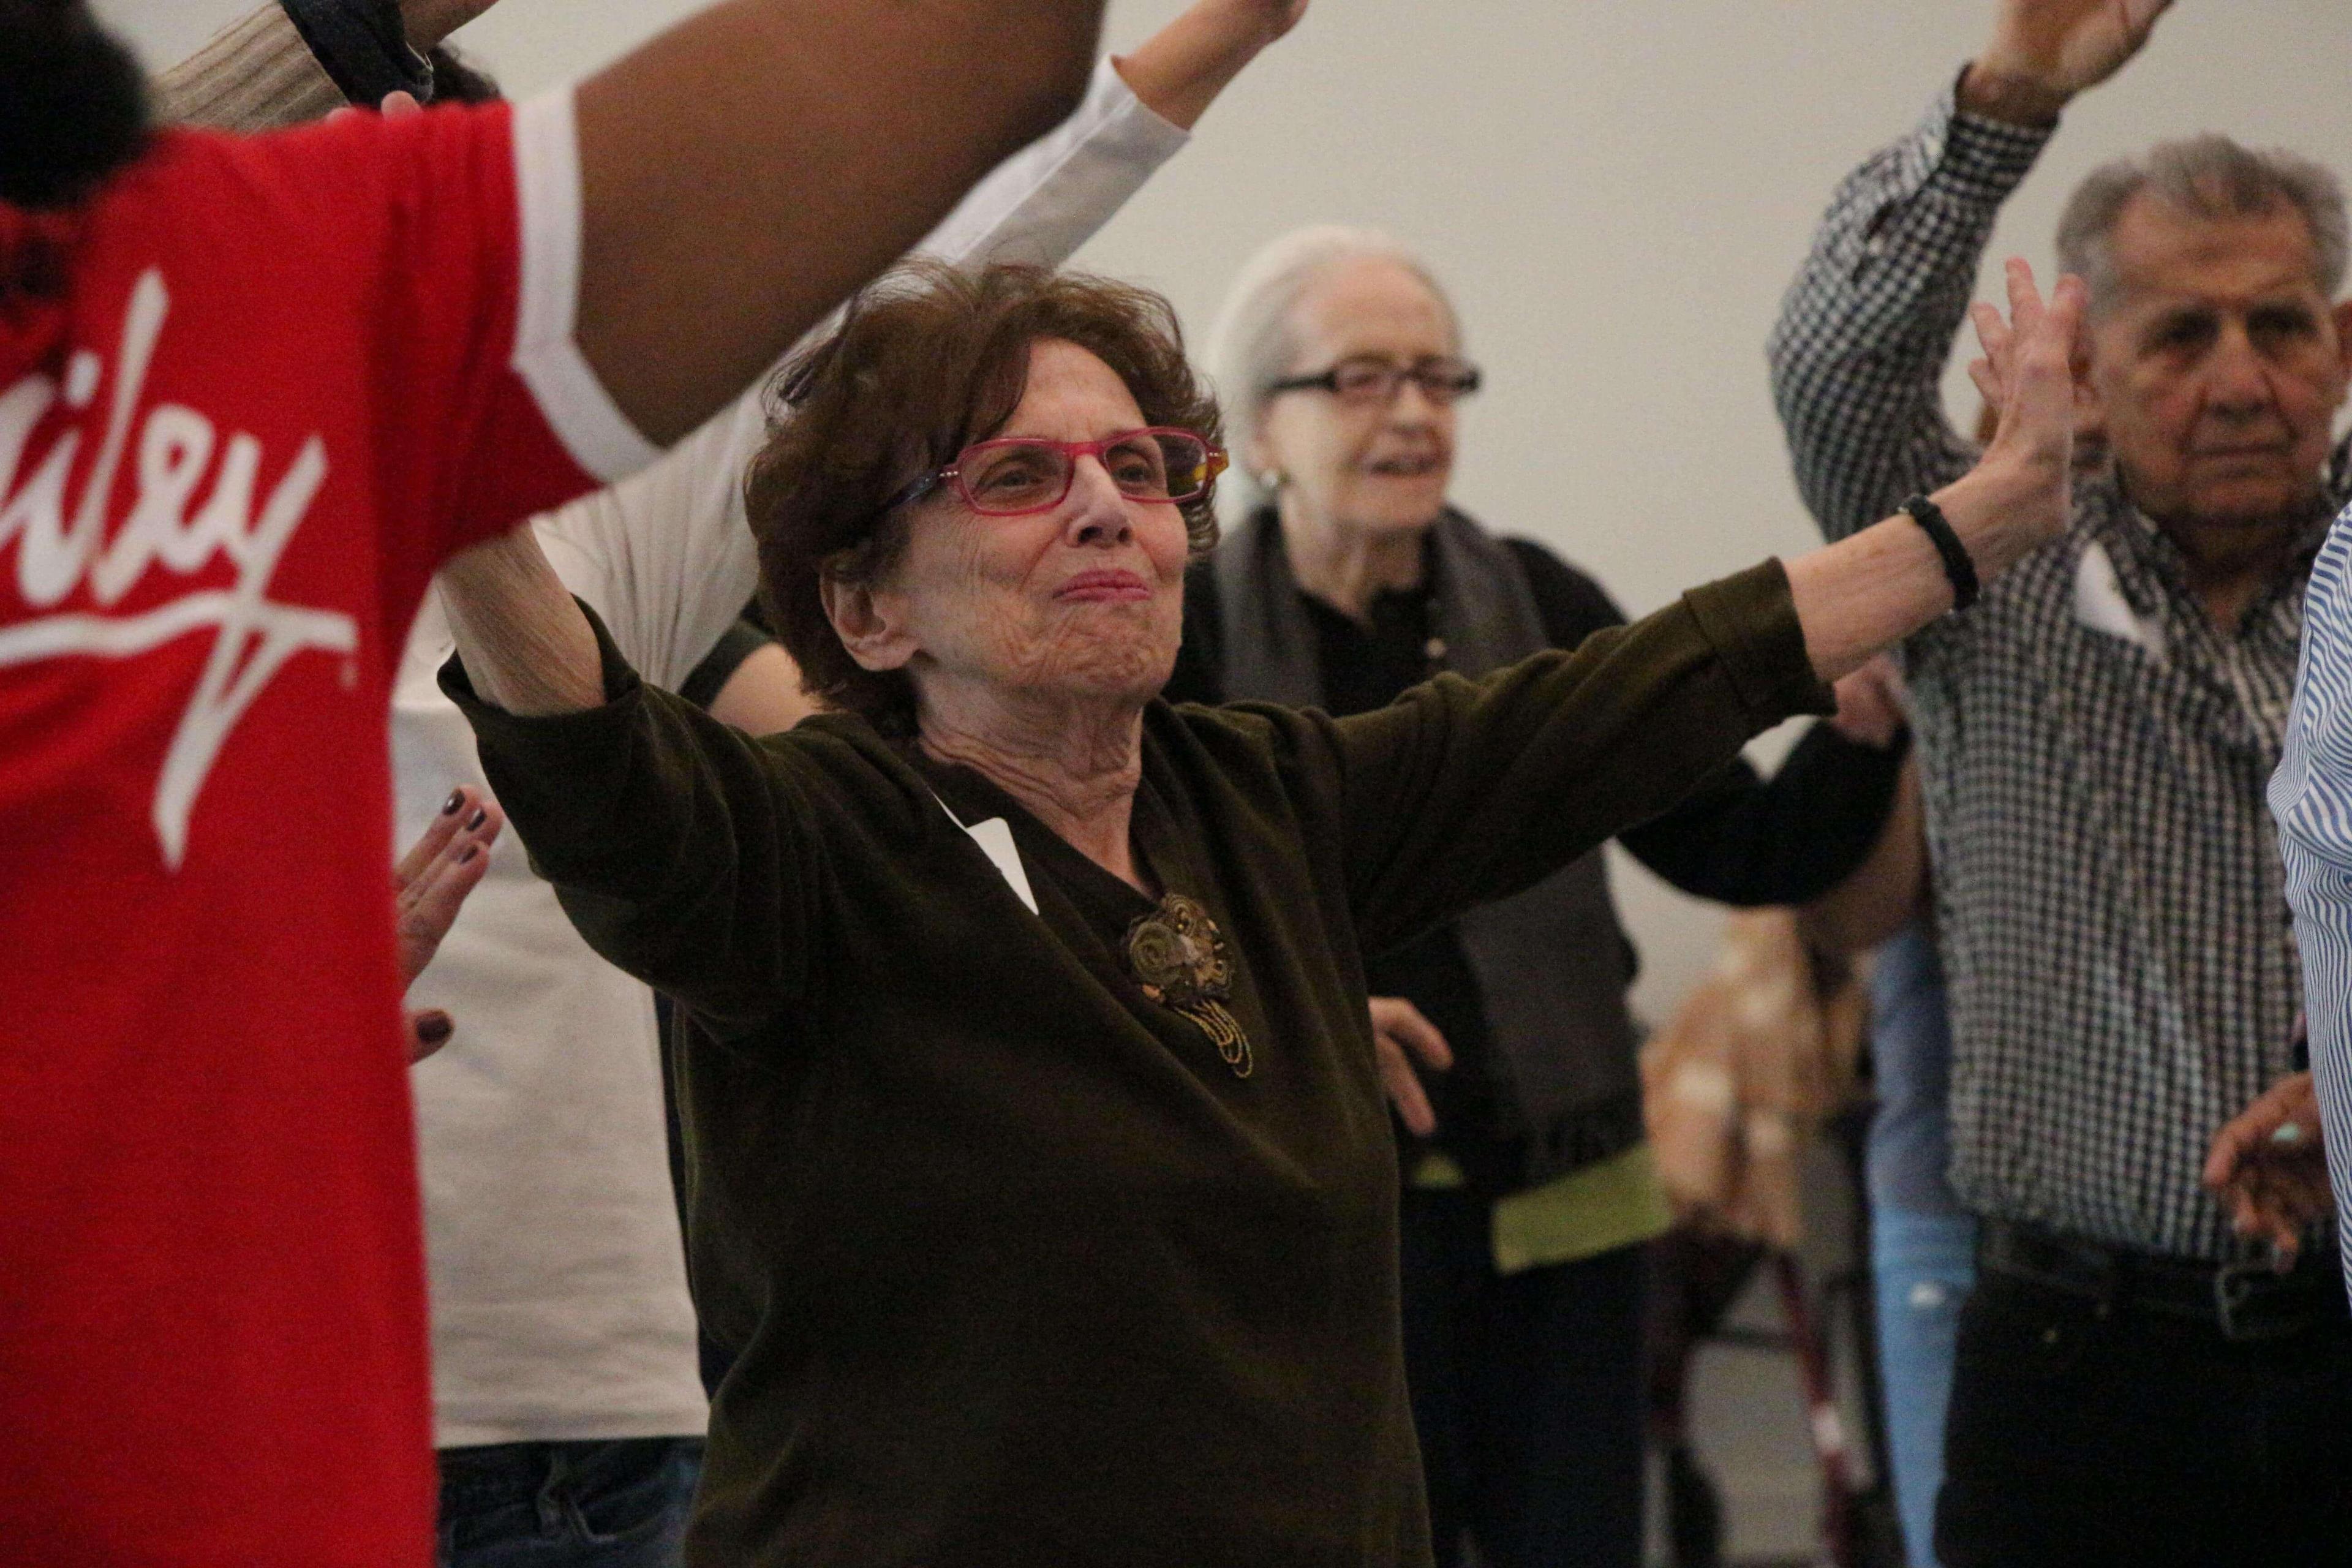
[
  {"x": 1461, "y": 792},
  {"x": 671, "y": 839}
]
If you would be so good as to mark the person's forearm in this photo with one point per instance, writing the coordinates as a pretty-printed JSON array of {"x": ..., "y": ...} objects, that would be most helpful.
[
  {"x": 1180, "y": 71},
  {"x": 1886, "y": 893},
  {"x": 526, "y": 646},
  {"x": 745, "y": 170},
  {"x": 1869, "y": 592},
  {"x": 1038, "y": 206}
]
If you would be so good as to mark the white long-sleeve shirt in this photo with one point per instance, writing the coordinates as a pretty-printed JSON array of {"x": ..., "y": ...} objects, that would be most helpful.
[{"x": 559, "y": 1305}]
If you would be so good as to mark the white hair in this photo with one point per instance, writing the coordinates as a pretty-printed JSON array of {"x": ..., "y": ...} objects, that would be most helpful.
[{"x": 1252, "y": 345}]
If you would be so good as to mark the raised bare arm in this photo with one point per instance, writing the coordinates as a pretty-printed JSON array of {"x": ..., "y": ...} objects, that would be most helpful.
[{"x": 746, "y": 170}]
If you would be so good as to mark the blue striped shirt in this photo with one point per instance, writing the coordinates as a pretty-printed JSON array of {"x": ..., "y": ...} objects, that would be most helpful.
[{"x": 2311, "y": 795}]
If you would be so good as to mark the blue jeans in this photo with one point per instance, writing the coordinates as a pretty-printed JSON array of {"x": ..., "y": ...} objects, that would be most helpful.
[
  {"x": 1925, "y": 1265},
  {"x": 1922, "y": 1243},
  {"x": 615, "y": 1504}
]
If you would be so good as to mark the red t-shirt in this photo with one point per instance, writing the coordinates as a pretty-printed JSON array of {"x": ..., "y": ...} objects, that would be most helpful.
[{"x": 289, "y": 376}]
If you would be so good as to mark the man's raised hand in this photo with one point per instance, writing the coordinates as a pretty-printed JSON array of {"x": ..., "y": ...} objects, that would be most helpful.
[{"x": 2043, "y": 52}]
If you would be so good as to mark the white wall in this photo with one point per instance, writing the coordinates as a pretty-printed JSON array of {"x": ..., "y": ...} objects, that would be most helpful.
[{"x": 1616, "y": 195}]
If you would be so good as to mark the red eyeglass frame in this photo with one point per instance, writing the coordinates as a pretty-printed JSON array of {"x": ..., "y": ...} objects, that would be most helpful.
[{"x": 1214, "y": 461}]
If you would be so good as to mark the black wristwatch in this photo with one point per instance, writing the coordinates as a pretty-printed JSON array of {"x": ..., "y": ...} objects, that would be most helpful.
[{"x": 364, "y": 45}]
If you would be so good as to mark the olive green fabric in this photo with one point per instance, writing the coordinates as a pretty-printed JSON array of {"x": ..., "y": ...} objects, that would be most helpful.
[
  {"x": 1016, "y": 1271},
  {"x": 1598, "y": 1208}
]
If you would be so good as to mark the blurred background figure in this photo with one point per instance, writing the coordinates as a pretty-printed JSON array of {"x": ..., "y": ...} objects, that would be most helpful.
[
  {"x": 1347, "y": 578},
  {"x": 1922, "y": 1240}
]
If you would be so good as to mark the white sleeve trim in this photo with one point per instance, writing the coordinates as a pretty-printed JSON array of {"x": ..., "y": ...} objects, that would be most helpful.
[{"x": 546, "y": 353}]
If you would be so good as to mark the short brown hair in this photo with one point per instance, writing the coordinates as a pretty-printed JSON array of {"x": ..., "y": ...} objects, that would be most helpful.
[{"x": 926, "y": 361}]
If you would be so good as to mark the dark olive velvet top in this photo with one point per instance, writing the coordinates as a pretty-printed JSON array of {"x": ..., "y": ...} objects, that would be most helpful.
[{"x": 1016, "y": 1270}]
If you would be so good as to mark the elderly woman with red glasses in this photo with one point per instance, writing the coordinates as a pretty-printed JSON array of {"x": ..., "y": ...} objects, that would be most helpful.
[{"x": 1041, "y": 1175}]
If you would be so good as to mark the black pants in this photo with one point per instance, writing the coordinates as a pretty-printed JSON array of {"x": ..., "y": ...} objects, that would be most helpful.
[
  {"x": 1527, "y": 1394},
  {"x": 2076, "y": 1439}
]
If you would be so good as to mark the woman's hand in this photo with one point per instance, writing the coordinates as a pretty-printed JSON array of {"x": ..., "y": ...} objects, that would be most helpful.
[
  {"x": 428, "y": 887},
  {"x": 1870, "y": 704},
  {"x": 1400, "y": 1033},
  {"x": 2269, "y": 1165},
  {"x": 1870, "y": 591},
  {"x": 2027, "y": 377}
]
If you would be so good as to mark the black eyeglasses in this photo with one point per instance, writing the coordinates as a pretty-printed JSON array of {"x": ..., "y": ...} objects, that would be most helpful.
[{"x": 1365, "y": 380}]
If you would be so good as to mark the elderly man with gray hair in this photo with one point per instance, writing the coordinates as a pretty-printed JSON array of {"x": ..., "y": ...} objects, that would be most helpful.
[{"x": 2138, "y": 1379}]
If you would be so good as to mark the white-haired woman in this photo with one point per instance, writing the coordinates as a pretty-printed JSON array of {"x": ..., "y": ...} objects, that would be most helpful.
[{"x": 1347, "y": 580}]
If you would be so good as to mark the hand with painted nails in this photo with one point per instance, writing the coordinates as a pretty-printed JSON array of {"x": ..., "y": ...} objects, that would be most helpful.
[{"x": 428, "y": 887}]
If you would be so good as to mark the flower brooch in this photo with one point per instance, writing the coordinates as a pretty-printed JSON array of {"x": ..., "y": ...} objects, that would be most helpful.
[{"x": 1178, "y": 957}]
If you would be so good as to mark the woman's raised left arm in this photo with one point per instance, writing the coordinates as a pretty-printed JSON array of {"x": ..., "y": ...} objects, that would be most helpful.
[{"x": 1464, "y": 792}]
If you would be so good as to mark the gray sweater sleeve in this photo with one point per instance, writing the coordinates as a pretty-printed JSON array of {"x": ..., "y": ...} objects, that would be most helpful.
[{"x": 257, "y": 74}]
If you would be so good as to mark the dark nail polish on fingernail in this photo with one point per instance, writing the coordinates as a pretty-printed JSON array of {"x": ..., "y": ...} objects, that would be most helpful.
[
  {"x": 480, "y": 817},
  {"x": 457, "y": 798},
  {"x": 466, "y": 857},
  {"x": 434, "y": 1028}
]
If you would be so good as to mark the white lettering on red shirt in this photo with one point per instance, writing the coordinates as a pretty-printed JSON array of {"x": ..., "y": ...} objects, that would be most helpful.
[{"x": 254, "y": 637}]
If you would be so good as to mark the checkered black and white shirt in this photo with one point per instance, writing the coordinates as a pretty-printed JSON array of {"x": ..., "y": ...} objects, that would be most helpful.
[{"x": 2093, "y": 749}]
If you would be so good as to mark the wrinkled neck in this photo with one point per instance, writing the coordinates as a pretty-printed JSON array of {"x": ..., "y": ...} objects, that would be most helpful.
[{"x": 1071, "y": 763}]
